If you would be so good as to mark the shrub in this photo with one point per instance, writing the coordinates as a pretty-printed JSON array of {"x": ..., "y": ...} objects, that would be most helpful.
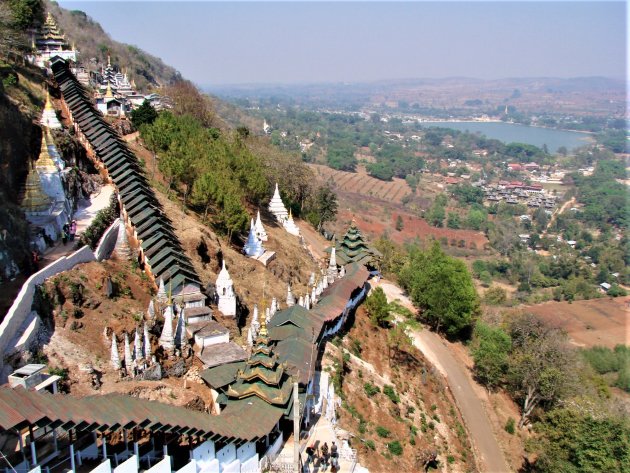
[
  {"x": 395, "y": 448},
  {"x": 510, "y": 426},
  {"x": 370, "y": 444},
  {"x": 382, "y": 432},
  {"x": 370, "y": 389},
  {"x": 391, "y": 394},
  {"x": 450, "y": 459}
]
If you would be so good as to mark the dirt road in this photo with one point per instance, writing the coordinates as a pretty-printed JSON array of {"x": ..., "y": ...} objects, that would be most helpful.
[{"x": 490, "y": 459}]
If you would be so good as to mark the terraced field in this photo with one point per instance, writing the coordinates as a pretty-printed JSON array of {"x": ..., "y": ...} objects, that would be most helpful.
[{"x": 361, "y": 183}]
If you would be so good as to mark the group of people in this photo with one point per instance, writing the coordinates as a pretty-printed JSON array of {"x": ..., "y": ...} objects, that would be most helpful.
[
  {"x": 325, "y": 456},
  {"x": 68, "y": 231}
]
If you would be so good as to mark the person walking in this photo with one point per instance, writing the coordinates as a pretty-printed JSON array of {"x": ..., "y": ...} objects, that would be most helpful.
[
  {"x": 334, "y": 455},
  {"x": 73, "y": 229},
  {"x": 325, "y": 455},
  {"x": 64, "y": 233}
]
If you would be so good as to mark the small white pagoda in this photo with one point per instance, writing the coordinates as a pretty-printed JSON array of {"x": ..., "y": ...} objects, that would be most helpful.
[
  {"x": 290, "y": 226},
  {"x": 276, "y": 206},
  {"x": 225, "y": 292},
  {"x": 253, "y": 248},
  {"x": 260, "y": 230}
]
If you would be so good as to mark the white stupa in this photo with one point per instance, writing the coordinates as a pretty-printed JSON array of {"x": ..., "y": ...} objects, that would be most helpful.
[
  {"x": 128, "y": 358},
  {"x": 225, "y": 292},
  {"x": 137, "y": 347},
  {"x": 290, "y": 297},
  {"x": 290, "y": 226},
  {"x": 260, "y": 230},
  {"x": 166, "y": 338},
  {"x": 331, "y": 274},
  {"x": 253, "y": 247},
  {"x": 49, "y": 116},
  {"x": 276, "y": 206},
  {"x": 115, "y": 357},
  {"x": 147, "y": 344},
  {"x": 161, "y": 295}
]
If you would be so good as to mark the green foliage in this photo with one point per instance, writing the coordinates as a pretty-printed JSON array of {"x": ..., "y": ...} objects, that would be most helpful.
[
  {"x": 382, "y": 431},
  {"x": 428, "y": 276},
  {"x": 103, "y": 219},
  {"x": 218, "y": 171},
  {"x": 604, "y": 360},
  {"x": 490, "y": 349},
  {"x": 370, "y": 444},
  {"x": 467, "y": 194},
  {"x": 340, "y": 156},
  {"x": 377, "y": 308},
  {"x": 380, "y": 171},
  {"x": 395, "y": 448},
  {"x": 371, "y": 390},
  {"x": 453, "y": 221},
  {"x": 399, "y": 223},
  {"x": 145, "y": 113},
  {"x": 435, "y": 215},
  {"x": 322, "y": 207},
  {"x": 603, "y": 197},
  {"x": 391, "y": 393},
  {"x": 573, "y": 441},
  {"x": 26, "y": 13},
  {"x": 495, "y": 295},
  {"x": 510, "y": 426}
]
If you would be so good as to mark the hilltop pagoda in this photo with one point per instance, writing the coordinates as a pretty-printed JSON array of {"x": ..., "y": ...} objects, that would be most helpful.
[
  {"x": 263, "y": 376},
  {"x": 49, "y": 42},
  {"x": 352, "y": 248},
  {"x": 276, "y": 206}
]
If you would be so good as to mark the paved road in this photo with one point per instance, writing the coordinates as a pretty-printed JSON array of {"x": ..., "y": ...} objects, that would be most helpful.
[{"x": 489, "y": 457}]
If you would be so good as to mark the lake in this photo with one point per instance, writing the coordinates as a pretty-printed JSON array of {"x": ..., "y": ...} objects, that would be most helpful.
[{"x": 515, "y": 133}]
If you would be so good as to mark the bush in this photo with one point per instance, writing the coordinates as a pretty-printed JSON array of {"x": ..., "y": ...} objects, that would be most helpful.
[
  {"x": 382, "y": 432},
  {"x": 370, "y": 444},
  {"x": 395, "y": 448},
  {"x": 391, "y": 394},
  {"x": 104, "y": 218},
  {"x": 510, "y": 426},
  {"x": 370, "y": 389}
]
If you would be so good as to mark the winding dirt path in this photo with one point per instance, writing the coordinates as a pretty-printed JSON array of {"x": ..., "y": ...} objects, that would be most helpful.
[
  {"x": 558, "y": 212},
  {"x": 488, "y": 453}
]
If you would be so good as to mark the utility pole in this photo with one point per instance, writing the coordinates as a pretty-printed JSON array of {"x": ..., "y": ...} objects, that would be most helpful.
[{"x": 296, "y": 427}]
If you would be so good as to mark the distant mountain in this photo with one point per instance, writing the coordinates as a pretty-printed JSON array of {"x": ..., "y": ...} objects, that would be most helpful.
[{"x": 94, "y": 43}]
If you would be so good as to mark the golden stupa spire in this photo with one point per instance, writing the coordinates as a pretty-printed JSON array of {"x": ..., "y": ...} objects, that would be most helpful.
[
  {"x": 34, "y": 200},
  {"x": 49, "y": 137},
  {"x": 108, "y": 92},
  {"x": 44, "y": 161},
  {"x": 262, "y": 332},
  {"x": 49, "y": 105}
]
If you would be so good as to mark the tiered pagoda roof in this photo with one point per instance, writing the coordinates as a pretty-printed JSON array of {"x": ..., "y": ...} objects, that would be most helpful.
[
  {"x": 353, "y": 249},
  {"x": 263, "y": 376},
  {"x": 49, "y": 37}
]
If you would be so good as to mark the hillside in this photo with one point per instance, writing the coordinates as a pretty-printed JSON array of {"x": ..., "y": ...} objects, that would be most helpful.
[{"x": 93, "y": 42}]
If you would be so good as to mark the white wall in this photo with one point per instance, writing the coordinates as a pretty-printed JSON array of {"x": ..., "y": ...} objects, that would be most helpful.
[
  {"x": 251, "y": 465},
  {"x": 108, "y": 241},
  {"x": 232, "y": 467},
  {"x": 246, "y": 451},
  {"x": 104, "y": 467},
  {"x": 164, "y": 466},
  {"x": 227, "y": 454},
  {"x": 128, "y": 466},
  {"x": 204, "y": 454},
  {"x": 211, "y": 467},
  {"x": 15, "y": 318}
]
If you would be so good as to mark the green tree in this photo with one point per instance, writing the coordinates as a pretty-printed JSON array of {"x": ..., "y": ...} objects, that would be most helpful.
[
  {"x": 377, "y": 308},
  {"x": 453, "y": 220},
  {"x": 428, "y": 276},
  {"x": 573, "y": 440},
  {"x": 490, "y": 349},
  {"x": 399, "y": 223},
  {"x": 541, "y": 364},
  {"x": 145, "y": 113},
  {"x": 322, "y": 207}
]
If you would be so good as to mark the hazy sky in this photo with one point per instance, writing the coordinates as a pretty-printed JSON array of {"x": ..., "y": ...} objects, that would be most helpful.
[{"x": 297, "y": 42}]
